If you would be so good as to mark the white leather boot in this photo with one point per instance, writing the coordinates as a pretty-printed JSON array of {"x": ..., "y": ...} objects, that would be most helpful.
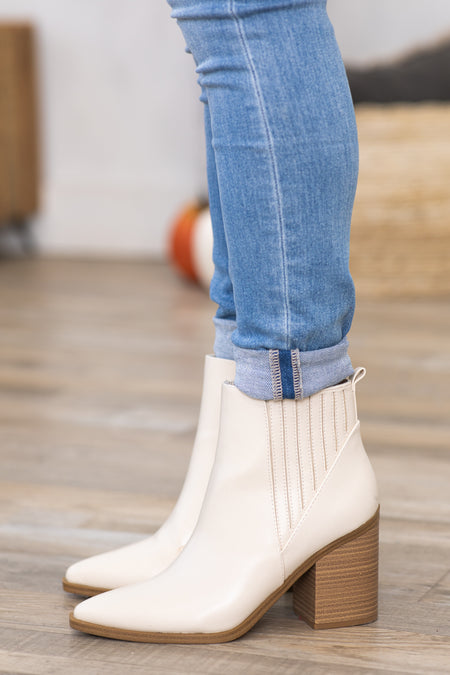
[
  {"x": 292, "y": 498},
  {"x": 144, "y": 559}
]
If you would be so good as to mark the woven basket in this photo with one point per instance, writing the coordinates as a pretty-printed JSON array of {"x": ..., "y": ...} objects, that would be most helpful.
[{"x": 400, "y": 242}]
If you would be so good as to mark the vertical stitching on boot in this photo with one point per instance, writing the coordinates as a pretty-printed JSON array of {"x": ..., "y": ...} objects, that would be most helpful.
[
  {"x": 286, "y": 465},
  {"x": 322, "y": 426},
  {"x": 272, "y": 485},
  {"x": 283, "y": 497},
  {"x": 296, "y": 463},
  {"x": 300, "y": 462},
  {"x": 334, "y": 420},
  {"x": 269, "y": 426},
  {"x": 311, "y": 446},
  {"x": 308, "y": 509},
  {"x": 345, "y": 412}
]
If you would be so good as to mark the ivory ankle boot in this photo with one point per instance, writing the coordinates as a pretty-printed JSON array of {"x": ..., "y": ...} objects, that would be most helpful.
[
  {"x": 292, "y": 499},
  {"x": 144, "y": 559}
]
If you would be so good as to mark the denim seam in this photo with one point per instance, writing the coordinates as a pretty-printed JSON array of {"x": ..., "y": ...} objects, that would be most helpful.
[
  {"x": 297, "y": 374},
  {"x": 299, "y": 361},
  {"x": 276, "y": 181},
  {"x": 275, "y": 373}
]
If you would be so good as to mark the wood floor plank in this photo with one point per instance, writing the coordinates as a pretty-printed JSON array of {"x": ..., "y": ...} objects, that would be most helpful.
[{"x": 100, "y": 379}]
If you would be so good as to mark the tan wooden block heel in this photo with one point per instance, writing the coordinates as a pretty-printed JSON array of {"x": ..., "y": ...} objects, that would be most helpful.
[{"x": 341, "y": 588}]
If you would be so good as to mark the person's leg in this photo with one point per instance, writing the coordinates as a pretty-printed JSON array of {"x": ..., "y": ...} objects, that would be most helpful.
[
  {"x": 221, "y": 289},
  {"x": 286, "y": 154},
  {"x": 292, "y": 498}
]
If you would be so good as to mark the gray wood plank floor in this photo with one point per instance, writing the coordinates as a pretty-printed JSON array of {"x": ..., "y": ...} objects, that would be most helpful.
[{"x": 100, "y": 378}]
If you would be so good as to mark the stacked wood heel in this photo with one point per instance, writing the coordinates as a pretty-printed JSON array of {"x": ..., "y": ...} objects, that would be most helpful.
[{"x": 341, "y": 589}]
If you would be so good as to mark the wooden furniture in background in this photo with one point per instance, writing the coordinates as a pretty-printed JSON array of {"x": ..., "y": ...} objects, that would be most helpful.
[{"x": 18, "y": 124}]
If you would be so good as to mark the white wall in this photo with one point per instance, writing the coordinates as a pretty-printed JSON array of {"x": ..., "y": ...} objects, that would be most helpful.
[
  {"x": 121, "y": 123},
  {"x": 121, "y": 120},
  {"x": 374, "y": 30}
]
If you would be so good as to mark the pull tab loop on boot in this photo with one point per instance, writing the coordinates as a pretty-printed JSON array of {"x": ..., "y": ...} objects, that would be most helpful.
[{"x": 357, "y": 376}]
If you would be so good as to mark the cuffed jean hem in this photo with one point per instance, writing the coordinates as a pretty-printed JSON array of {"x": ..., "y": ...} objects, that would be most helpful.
[
  {"x": 274, "y": 374},
  {"x": 223, "y": 347}
]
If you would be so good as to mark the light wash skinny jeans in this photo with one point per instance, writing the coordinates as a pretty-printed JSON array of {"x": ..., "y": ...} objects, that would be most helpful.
[{"x": 282, "y": 161}]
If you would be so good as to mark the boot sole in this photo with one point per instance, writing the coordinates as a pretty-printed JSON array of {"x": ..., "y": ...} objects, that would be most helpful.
[
  {"x": 81, "y": 589},
  {"x": 334, "y": 588}
]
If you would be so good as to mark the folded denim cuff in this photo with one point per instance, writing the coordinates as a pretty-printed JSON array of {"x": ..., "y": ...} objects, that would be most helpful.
[
  {"x": 274, "y": 374},
  {"x": 223, "y": 347}
]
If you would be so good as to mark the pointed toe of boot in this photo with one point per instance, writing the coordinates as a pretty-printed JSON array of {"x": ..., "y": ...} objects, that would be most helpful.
[{"x": 145, "y": 559}]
